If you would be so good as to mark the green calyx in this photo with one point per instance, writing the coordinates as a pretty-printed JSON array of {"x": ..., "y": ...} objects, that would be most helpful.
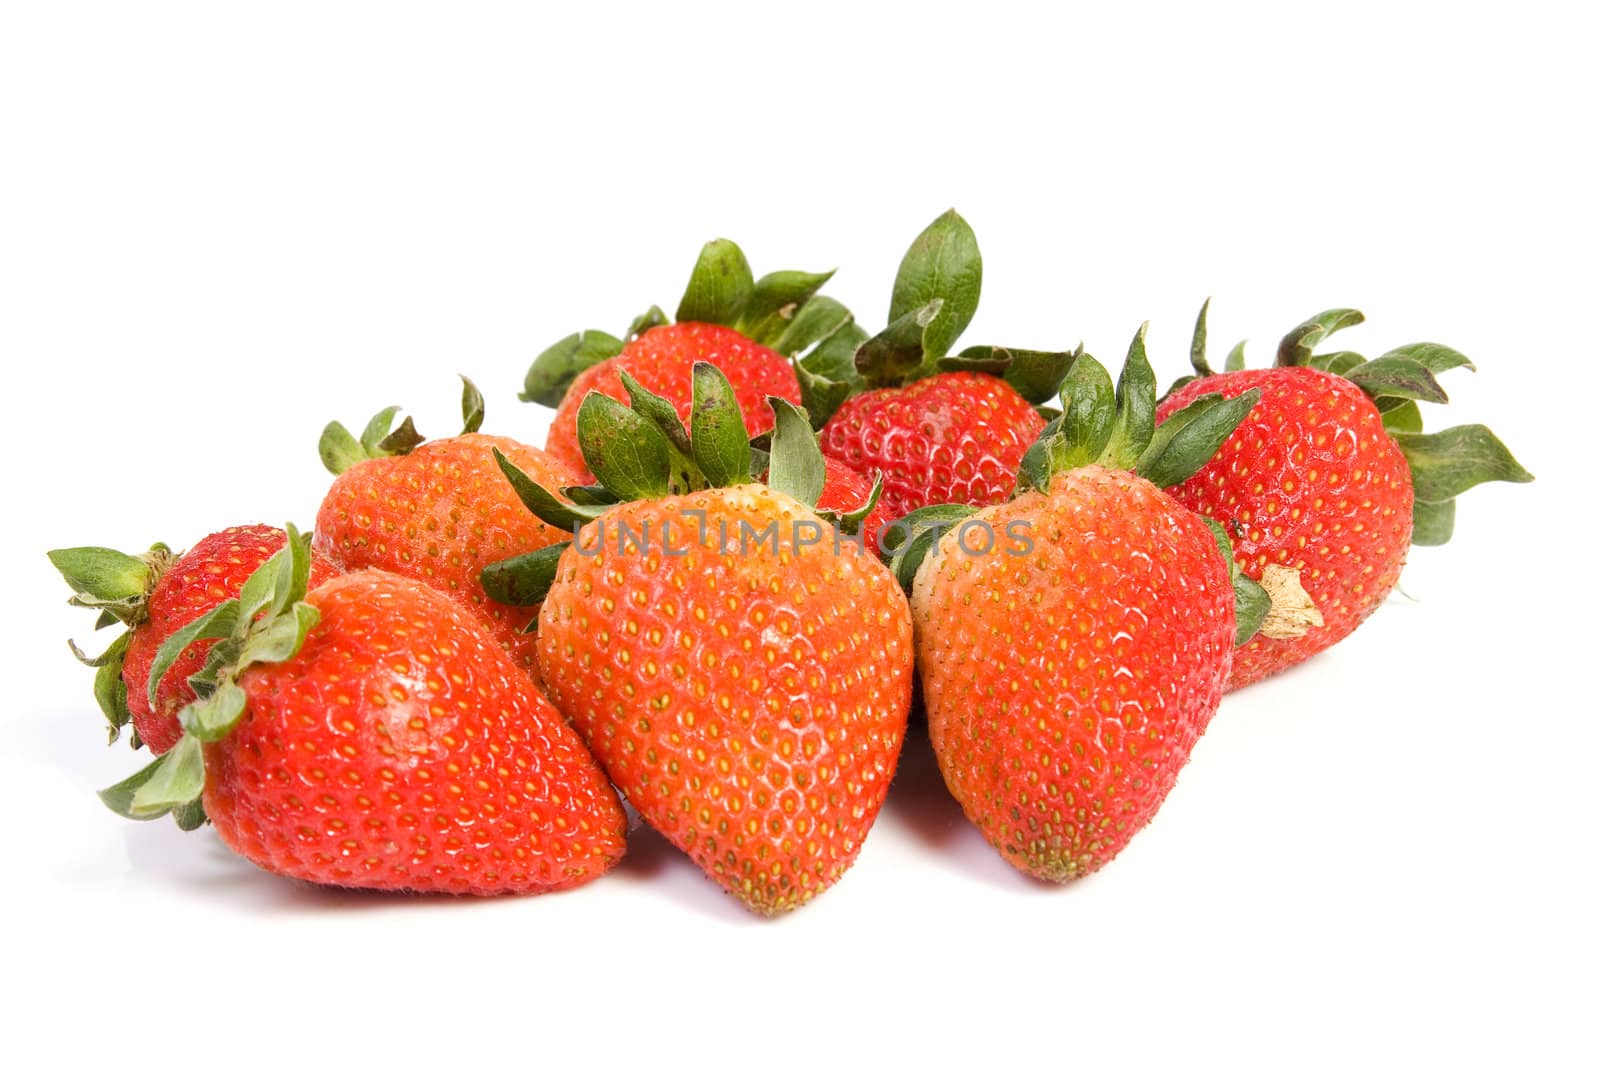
[
  {"x": 266, "y": 623},
  {"x": 1116, "y": 426},
  {"x": 340, "y": 449},
  {"x": 771, "y": 310},
  {"x": 1443, "y": 465},
  {"x": 935, "y": 296},
  {"x": 643, "y": 451},
  {"x": 116, "y": 586}
]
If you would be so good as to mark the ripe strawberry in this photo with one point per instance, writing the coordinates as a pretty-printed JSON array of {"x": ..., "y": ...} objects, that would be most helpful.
[
  {"x": 370, "y": 735},
  {"x": 155, "y": 595},
  {"x": 954, "y": 438},
  {"x": 1321, "y": 485},
  {"x": 746, "y": 327},
  {"x": 936, "y": 429},
  {"x": 662, "y": 360},
  {"x": 844, "y": 491},
  {"x": 437, "y": 511},
  {"x": 1073, "y": 644},
  {"x": 744, "y": 675}
]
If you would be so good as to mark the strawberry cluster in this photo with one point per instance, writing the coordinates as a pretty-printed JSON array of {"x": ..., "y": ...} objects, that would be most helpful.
[{"x": 754, "y": 531}]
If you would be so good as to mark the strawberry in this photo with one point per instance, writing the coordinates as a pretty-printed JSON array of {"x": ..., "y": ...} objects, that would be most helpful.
[
  {"x": 369, "y": 734},
  {"x": 844, "y": 491},
  {"x": 743, "y": 672},
  {"x": 1073, "y": 641},
  {"x": 954, "y": 438},
  {"x": 155, "y": 595},
  {"x": 937, "y": 429},
  {"x": 436, "y": 511},
  {"x": 744, "y": 326},
  {"x": 1328, "y": 482},
  {"x": 662, "y": 359}
]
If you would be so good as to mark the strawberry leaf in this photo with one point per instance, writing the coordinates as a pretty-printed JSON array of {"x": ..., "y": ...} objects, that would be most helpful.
[
  {"x": 1250, "y": 602},
  {"x": 555, "y": 369},
  {"x": 1296, "y": 347},
  {"x": 103, "y": 576},
  {"x": 119, "y": 797},
  {"x": 523, "y": 580},
  {"x": 720, "y": 286},
  {"x": 908, "y": 541},
  {"x": 658, "y": 410},
  {"x": 1197, "y": 344},
  {"x": 1448, "y": 463},
  {"x": 645, "y": 322},
  {"x": 545, "y": 505},
  {"x": 898, "y": 353},
  {"x": 376, "y": 430},
  {"x": 1340, "y": 363},
  {"x": 212, "y": 717},
  {"x": 1135, "y": 422},
  {"x": 818, "y": 320},
  {"x": 471, "y": 406},
  {"x": 1188, "y": 439},
  {"x": 1397, "y": 376},
  {"x": 774, "y": 302},
  {"x": 338, "y": 448},
  {"x": 719, "y": 442},
  {"x": 1089, "y": 415},
  {"x": 626, "y": 451},
  {"x": 217, "y": 623},
  {"x": 942, "y": 265},
  {"x": 178, "y": 779},
  {"x": 1432, "y": 524},
  {"x": 795, "y": 466},
  {"x": 1437, "y": 358}
]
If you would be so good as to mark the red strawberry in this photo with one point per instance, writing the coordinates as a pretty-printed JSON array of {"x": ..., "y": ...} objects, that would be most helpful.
[
  {"x": 1320, "y": 486},
  {"x": 156, "y": 595},
  {"x": 937, "y": 429},
  {"x": 1073, "y": 641},
  {"x": 743, "y": 672},
  {"x": 662, "y": 360},
  {"x": 845, "y": 491},
  {"x": 746, "y": 327},
  {"x": 372, "y": 736},
  {"x": 438, "y": 512},
  {"x": 954, "y": 438}
]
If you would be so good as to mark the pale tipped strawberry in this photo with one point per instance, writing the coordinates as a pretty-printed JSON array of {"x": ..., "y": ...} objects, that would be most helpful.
[
  {"x": 740, "y": 667},
  {"x": 1073, "y": 641},
  {"x": 369, "y": 734},
  {"x": 154, "y": 595},
  {"x": 1330, "y": 480},
  {"x": 744, "y": 326},
  {"x": 938, "y": 429},
  {"x": 437, "y": 511}
]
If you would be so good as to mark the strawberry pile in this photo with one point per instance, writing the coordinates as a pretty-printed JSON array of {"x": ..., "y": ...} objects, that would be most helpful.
[{"x": 754, "y": 533}]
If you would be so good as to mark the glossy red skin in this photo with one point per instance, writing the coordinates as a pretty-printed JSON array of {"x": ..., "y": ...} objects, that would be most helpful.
[
  {"x": 954, "y": 438},
  {"x": 662, "y": 360},
  {"x": 1067, "y": 684},
  {"x": 402, "y": 749},
  {"x": 751, "y": 707},
  {"x": 1309, "y": 480},
  {"x": 212, "y": 571},
  {"x": 442, "y": 514}
]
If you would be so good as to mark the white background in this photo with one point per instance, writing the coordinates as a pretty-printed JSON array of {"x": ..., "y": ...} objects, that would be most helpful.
[{"x": 221, "y": 227}]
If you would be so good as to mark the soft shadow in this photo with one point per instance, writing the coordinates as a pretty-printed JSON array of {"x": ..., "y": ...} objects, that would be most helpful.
[
  {"x": 918, "y": 799},
  {"x": 672, "y": 875},
  {"x": 920, "y": 803}
]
